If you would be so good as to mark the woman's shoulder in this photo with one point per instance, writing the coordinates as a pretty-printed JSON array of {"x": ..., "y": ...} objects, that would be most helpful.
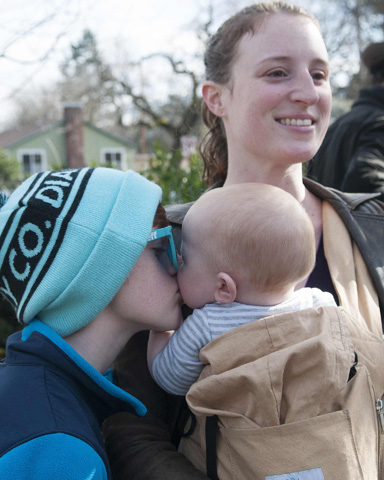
[
  {"x": 175, "y": 215},
  {"x": 177, "y": 212},
  {"x": 363, "y": 216},
  {"x": 353, "y": 203}
]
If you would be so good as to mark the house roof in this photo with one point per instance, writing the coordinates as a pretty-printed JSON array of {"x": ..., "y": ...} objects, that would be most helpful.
[
  {"x": 11, "y": 138},
  {"x": 127, "y": 142}
]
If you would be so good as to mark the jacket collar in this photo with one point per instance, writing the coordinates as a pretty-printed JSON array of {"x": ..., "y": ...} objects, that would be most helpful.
[
  {"x": 373, "y": 96},
  {"x": 38, "y": 344},
  {"x": 176, "y": 213},
  {"x": 362, "y": 218}
]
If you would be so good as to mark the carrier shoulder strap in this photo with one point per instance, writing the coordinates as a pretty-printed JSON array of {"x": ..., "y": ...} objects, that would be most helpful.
[{"x": 210, "y": 439}]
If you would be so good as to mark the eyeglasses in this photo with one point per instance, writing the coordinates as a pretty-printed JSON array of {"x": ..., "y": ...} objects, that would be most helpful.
[{"x": 166, "y": 233}]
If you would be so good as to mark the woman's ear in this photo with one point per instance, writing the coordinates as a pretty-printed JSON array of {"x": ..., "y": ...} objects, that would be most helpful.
[
  {"x": 212, "y": 96},
  {"x": 226, "y": 289}
]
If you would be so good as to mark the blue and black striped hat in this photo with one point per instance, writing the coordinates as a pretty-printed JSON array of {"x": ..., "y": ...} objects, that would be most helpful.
[{"x": 69, "y": 239}]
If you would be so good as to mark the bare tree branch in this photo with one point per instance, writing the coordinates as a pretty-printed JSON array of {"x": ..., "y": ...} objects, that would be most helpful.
[
  {"x": 27, "y": 32},
  {"x": 46, "y": 55}
]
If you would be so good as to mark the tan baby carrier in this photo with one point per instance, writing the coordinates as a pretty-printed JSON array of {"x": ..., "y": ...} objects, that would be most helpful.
[{"x": 296, "y": 396}]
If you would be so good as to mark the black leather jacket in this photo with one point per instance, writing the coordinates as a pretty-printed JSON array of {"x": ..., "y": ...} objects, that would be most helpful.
[
  {"x": 351, "y": 157},
  {"x": 362, "y": 214}
]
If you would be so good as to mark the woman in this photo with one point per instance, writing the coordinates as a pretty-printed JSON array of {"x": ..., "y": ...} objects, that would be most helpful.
[{"x": 267, "y": 103}]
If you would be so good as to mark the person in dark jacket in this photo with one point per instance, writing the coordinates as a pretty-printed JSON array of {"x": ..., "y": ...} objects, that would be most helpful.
[
  {"x": 267, "y": 103},
  {"x": 351, "y": 157},
  {"x": 84, "y": 270}
]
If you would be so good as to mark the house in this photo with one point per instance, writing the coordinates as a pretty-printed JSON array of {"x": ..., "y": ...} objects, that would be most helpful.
[{"x": 69, "y": 143}]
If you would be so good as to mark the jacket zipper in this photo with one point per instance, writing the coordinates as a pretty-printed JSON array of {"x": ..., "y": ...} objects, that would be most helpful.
[
  {"x": 380, "y": 414},
  {"x": 379, "y": 409}
]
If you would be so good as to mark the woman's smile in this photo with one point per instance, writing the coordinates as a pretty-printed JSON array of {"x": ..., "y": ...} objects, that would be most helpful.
[{"x": 277, "y": 105}]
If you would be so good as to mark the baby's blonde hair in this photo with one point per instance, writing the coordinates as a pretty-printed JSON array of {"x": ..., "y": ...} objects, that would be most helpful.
[{"x": 258, "y": 231}]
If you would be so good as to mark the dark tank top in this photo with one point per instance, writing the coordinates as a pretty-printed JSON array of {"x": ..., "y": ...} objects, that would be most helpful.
[{"x": 320, "y": 276}]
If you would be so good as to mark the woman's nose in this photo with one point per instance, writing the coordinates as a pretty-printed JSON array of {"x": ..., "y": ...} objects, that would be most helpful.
[{"x": 304, "y": 90}]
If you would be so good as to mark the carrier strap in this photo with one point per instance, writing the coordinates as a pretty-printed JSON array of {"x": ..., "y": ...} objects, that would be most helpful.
[{"x": 210, "y": 440}]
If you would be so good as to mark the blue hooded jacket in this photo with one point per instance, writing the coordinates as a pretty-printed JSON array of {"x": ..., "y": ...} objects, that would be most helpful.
[{"x": 52, "y": 405}]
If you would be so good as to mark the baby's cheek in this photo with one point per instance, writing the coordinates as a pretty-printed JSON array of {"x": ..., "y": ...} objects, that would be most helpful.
[{"x": 180, "y": 279}]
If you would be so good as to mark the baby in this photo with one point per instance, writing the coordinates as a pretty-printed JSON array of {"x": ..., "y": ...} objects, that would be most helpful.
[{"x": 245, "y": 248}]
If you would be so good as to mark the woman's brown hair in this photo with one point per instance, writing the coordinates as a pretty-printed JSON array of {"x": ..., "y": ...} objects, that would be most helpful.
[{"x": 219, "y": 56}]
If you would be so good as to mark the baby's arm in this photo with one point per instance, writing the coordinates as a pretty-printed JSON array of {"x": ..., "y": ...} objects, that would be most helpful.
[
  {"x": 177, "y": 365},
  {"x": 156, "y": 343}
]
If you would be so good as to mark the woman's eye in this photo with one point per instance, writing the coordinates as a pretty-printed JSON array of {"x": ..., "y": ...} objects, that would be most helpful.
[
  {"x": 319, "y": 76},
  {"x": 277, "y": 74}
]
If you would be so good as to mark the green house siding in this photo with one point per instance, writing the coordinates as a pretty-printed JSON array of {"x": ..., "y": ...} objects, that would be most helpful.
[
  {"x": 96, "y": 141},
  {"x": 51, "y": 145},
  {"x": 52, "y": 142}
]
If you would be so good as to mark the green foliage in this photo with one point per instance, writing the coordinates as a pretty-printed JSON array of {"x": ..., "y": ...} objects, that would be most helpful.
[
  {"x": 9, "y": 172},
  {"x": 107, "y": 164},
  {"x": 179, "y": 179},
  {"x": 9, "y": 179},
  {"x": 8, "y": 323}
]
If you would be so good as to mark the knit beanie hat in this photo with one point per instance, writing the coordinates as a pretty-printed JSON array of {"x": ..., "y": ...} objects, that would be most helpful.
[{"x": 68, "y": 241}]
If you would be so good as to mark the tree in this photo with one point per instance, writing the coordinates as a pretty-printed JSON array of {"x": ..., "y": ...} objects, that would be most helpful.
[
  {"x": 179, "y": 114},
  {"x": 8, "y": 324},
  {"x": 180, "y": 183},
  {"x": 9, "y": 172},
  {"x": 41, "y": 109},
  {"x": 9, "y": 179},
  {"x": 348, "y": 27},
  {"x": 88, "y": 79},
  {"x": 120, "y": 93},
  {"x": 180, "y": 74}
]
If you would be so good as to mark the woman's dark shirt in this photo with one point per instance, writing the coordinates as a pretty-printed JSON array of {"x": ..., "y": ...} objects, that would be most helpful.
[{"x": 320, "y": 276}]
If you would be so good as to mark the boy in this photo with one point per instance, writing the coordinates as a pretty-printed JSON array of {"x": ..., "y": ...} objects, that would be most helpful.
[
  {"x": 77, "y": 260},
  {"x": 239, "y": 265}
]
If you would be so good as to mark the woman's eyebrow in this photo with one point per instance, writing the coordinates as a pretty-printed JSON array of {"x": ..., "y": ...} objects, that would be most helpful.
[
  {"x": 281, "y": 58},
  {"x": 285, "y": 58}
]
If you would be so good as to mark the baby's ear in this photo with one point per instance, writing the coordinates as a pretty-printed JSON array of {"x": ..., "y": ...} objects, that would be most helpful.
[{"x": 226, "y": 289}]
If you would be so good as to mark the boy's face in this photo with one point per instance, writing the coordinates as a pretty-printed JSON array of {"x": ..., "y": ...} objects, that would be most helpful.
[
  {"x": 195, "y": 277},
  {"x": 150, "y": 296}
]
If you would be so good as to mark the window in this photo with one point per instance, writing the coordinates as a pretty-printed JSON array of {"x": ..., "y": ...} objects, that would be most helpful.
[
  {"x": 113, "y": 157},
  {"x": 32, "y": 160}
]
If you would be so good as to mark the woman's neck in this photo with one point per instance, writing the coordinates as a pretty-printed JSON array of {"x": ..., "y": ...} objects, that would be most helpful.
[{"x": 289, "y": 179}]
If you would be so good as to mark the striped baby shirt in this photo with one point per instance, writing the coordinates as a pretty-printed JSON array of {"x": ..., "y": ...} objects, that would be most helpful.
[{"x": 178, "y": 365}]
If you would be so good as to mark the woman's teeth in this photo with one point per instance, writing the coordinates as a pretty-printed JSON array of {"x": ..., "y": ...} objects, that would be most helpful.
[{"x": 295, "y": 121}]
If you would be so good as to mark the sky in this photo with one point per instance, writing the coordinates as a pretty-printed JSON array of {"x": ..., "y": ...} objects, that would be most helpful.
[{"x": 35, "y": 36}]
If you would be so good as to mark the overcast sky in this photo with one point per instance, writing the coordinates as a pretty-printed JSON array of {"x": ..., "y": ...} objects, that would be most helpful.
[{"x": 29, "y": 28}]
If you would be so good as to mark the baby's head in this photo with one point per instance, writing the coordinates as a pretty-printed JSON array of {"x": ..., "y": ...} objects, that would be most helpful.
[{"x": 256, "y": 234}]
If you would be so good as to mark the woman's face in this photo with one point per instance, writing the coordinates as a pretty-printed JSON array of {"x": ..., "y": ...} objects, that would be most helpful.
[{"x": 277, "y": 105}]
